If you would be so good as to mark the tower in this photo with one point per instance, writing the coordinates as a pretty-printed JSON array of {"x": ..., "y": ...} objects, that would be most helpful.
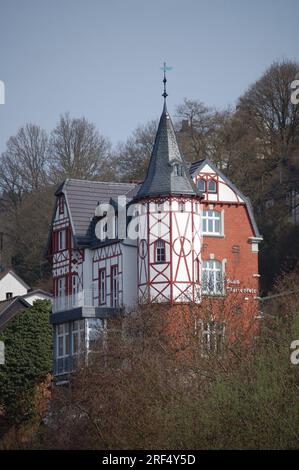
[{"x": 169, "y": 232}]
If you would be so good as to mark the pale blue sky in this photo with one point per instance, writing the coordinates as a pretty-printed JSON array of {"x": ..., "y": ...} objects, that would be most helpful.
[{"x": 102, "y": 58}]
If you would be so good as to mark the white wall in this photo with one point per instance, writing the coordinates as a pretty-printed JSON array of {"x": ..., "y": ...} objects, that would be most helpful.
[
  {"x": 32, "y": 298},
  {"x": 130, "y": 275},
  {"x": 10, "y": 284}
]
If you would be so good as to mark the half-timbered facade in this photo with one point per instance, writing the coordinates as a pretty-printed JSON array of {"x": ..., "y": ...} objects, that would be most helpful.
[{"x": 186, "y": 232}]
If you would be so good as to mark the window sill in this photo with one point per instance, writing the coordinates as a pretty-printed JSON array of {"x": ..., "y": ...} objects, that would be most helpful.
[
  {"x": 213, "y": 295},
  {"x": 216, "y": 235}
]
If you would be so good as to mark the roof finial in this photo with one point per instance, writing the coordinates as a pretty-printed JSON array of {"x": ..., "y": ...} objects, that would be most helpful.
[{"x": 165, "y": 69}]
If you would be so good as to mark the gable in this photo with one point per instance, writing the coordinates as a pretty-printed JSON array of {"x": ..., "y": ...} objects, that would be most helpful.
[
  {"x": 9, "y": 309},
  {"x": 11, "y": 282},
  {"x": 226, "y": 191},
  {"x": 81, "y": 199}
]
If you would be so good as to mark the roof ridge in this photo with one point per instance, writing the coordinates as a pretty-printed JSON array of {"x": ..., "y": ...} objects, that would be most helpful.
[{"x": 121, "y": 183}]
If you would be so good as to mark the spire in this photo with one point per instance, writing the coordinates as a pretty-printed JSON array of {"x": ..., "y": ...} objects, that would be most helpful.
[
  {"x": 167, "y": 172},
  {"x": 165, "y": 69}
]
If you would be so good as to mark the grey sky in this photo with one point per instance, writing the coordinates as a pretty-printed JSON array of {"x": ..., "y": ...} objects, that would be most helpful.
[{"x": 102, "y": 59}]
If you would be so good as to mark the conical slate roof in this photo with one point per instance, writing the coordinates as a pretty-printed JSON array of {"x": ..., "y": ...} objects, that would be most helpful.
[{"x": 167, "y": 172}]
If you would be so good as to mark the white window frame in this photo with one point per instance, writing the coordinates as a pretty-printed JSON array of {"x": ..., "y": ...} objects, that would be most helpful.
[
  {"x": 61, "y": 240},
  {"x": 213, "y": 270},
  {"x": 210, "y": 218},
  {"x": 78, "y": 337},
  {"x": 210, "y": 190},
  {"x": 160, "y": 255},
  {"x": 63, "y": 334},
  {"x": 61, "y": 286}
]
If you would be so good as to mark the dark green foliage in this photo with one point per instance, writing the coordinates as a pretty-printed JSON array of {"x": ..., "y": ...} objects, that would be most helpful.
[{"x": 28, "y": 359}]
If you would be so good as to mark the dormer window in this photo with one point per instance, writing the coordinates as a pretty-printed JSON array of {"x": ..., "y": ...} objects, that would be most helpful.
[
  {"x": 181, "y": 206},
  {"x": 212, "y": 186},
  {"x": 177, "y": 169},
  {"x": 61, "y": 205},
  {"x": 201, "y": 185},
  {"x": 158, "y": 207}
]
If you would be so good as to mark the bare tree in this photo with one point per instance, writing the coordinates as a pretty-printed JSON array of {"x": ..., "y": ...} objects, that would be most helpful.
[
  {"x": 24, "y": 163},
  {"x": 197, "y": 120},
  {"x": 132, "y": 157},
  {"x": 268, "y": 101},
  {"x": 77, "y": 150}
]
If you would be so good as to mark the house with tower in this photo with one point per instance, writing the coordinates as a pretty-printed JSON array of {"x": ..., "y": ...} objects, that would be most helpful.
[{"x": 184, "y": 234}]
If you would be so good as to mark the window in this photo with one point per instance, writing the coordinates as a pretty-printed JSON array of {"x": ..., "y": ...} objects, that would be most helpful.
[
  {"x": 211, "y": 223},
  {"x": 61, "y": 286},
  {"x": 102, "y": 286},
  {"x": 74, "y": 288},
  {"x": 114, "y": 286},
  {"x": 181, "y": 206},
  {"x": 160, "y": 251},
  {"x": 70, "y": 343},
  {"x": 77, "y": 337},
  {"x": 211, "y": 335},
  {"x": 74, "y": 284},
  {"x": 115, "y": 226},
  {"x": 61, "y": 205},
  {"x": 8, "y": 295},
  {"x": 201, "y": 185},
  {"x": 212, "y": 277},
  {"x": 197, "y": 270},
  {"x": 212, "y": 186},
  {"x": 63, "y": 340},
  {"x": 61, "y": 240},
  {"x": 159, "y": 207},
  {"x": 177, "y": 169}
]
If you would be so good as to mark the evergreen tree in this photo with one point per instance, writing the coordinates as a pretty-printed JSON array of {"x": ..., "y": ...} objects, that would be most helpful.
[{"x": 28, "y": 359}]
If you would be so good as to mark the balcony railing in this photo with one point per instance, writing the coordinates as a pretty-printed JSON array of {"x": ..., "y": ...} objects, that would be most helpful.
[{"x": 84, "y": 298}]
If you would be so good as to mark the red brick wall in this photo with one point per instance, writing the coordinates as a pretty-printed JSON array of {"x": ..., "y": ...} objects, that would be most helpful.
[{"x": 237, "y": 229}]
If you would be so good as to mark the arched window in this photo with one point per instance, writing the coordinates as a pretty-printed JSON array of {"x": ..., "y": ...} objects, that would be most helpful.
[
  {"x": 212, "y": 186},
  {"x": 212, "y": 277},
  {"x": 212, "y": 223},
  {"x": 160, "y": 253},
  {"x": 201, "y": 185}
]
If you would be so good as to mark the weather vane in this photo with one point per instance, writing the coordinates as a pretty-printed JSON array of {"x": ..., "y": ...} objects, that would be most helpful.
[{"x": 165, "y": 69}]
